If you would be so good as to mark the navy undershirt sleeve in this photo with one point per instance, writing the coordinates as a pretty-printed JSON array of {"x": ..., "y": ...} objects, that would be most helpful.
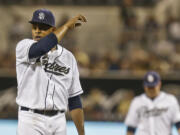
[
  {"x": 177, "y": 124},
  {"x": 74, "y": 102},
  {"x": 43, "y": 46},
  {"x": 131, "y": 129}
]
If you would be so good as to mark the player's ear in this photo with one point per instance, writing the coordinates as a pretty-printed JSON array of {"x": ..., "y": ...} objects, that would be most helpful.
[{"x": 159, "y": 85}]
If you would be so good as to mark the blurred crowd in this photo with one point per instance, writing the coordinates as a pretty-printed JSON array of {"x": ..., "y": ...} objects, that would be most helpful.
[
  {"x": 149, "y": 46},
  {"x": 77, "y": 2},
  {"x": 98, "y": 104}
]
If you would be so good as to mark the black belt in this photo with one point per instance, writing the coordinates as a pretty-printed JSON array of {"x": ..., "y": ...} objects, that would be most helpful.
[{"x": 43, "y": 112}]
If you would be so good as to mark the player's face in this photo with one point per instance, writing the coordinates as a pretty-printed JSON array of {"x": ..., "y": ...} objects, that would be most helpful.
[
  {"x": 40, "y": 30},
  {"x": 152, "y": 92}
]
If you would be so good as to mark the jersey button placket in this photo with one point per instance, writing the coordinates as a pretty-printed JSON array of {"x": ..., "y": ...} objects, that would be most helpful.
[{"x": 49, "y": 96}]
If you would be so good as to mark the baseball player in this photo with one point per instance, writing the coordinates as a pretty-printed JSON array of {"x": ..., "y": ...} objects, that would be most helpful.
[
  {"x": 48, "y": 79},
  {"x": 154, "y": 112}
]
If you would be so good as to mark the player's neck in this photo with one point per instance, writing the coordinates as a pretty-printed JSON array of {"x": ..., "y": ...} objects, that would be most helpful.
[{"x": 152, "y": 96}]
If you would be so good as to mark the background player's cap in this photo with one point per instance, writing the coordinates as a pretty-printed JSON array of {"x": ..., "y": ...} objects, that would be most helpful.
[
  {"x": 151, "y": 79},
  {"x": 43, "y": 16}
]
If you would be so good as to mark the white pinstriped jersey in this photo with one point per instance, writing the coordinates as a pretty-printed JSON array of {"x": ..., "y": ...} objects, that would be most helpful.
[
  {"x": 153, "y": 117},
  {"x": 46, "y": 82}
]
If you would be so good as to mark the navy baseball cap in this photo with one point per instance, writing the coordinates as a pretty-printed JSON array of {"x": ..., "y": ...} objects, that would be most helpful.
[
  {"x": 43, "y": 16},
  {"x": 151, "y": 79}
]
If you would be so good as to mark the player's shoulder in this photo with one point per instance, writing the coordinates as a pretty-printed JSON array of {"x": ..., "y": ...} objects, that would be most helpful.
[
  {"x": 138, "y": 99},
  {"x": 169, "y": 97},
  {"x": 66, "y": 52},
  {"x": 24, "y": 42}
]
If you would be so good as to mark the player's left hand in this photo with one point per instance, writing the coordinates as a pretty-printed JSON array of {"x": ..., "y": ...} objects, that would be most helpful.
[{"x": 76, "y": 21}]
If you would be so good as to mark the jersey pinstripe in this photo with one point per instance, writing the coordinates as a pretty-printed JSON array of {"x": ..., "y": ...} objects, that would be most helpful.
[{"x": 46, "y": 82}]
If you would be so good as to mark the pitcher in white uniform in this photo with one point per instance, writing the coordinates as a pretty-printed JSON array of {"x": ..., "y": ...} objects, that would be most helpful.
[
  {"x": 48, "y": 79},
  {"x": 154, "y": 112}
]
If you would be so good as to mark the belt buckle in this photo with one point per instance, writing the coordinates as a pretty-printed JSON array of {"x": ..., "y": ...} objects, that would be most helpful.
[
  {"x": 31, "y": 110},
  {"x": 44, "y": 112}
]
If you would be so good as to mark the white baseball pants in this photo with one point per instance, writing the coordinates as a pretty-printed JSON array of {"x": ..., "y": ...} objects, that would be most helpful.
[{"x": 30, "y": 123}]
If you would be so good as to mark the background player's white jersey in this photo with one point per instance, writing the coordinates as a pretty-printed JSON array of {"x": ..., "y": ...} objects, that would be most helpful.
[
  {"x": 57, "y": 71},
  {"x": 153, "y": 117}
]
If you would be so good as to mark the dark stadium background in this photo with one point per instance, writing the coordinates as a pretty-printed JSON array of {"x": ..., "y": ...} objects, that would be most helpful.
[{"x": 122, "y": 40}]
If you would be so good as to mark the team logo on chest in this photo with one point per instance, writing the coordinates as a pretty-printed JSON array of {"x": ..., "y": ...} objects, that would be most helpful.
[
  {"x": 145, "y": 112},
  {"x": 54, "y": 68}
]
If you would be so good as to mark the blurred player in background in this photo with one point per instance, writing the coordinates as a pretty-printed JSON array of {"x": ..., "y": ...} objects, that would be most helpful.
[
  {"x": 154, "y": 112},
  {"x": 48, "y": 79}
]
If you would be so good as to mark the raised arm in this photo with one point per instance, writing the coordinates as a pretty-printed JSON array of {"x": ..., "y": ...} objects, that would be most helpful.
[
  {"x": 48, "y": 42},
  {"x": 72, "y": 23}
]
